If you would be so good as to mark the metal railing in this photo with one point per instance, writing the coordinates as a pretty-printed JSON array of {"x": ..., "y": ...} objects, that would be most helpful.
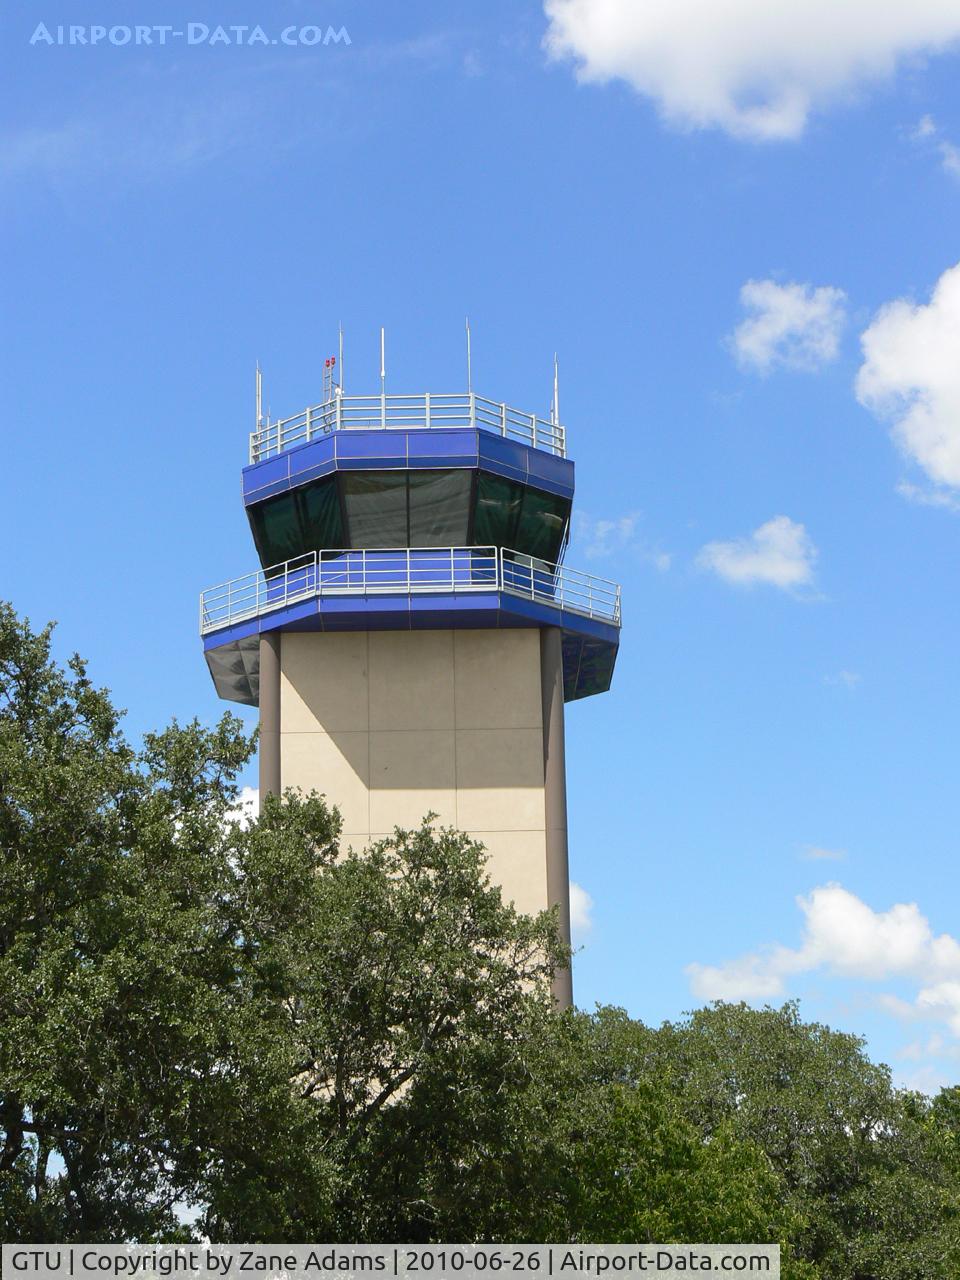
[
  {"x": 383, "y": 413},
  {"x": 408, "y": 571}
]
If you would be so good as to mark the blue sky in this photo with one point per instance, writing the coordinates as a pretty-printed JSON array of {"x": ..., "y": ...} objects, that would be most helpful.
[{"x": 772, "y": 470}]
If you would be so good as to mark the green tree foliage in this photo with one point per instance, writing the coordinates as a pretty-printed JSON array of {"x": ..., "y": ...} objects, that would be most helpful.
[
  {"x": 241, "y": 1025},
  {"x": 197, "y": 1010},
  {"x": 550, "y": 1138},
  {"x": 866, "y": 1165}
]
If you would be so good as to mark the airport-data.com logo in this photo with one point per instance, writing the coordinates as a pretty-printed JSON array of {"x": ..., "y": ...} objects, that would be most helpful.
[{"x": 78, "y": 35}]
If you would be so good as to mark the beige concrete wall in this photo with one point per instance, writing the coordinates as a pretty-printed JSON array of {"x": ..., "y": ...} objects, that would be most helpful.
[{"x": 392, "y": 724}]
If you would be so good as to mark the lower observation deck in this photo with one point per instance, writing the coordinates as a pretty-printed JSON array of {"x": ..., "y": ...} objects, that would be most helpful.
[{"x": 411, "y": 589}]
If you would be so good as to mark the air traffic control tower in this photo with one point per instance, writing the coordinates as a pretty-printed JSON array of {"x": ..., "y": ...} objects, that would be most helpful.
[{"x": 413, "y": 631}]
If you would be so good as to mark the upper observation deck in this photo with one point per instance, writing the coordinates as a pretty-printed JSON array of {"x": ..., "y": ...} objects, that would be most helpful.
[
  {"x": 409, "y": 512},
  {"x": 425, "y": 470},
  {"x": 407, "y": 413}
]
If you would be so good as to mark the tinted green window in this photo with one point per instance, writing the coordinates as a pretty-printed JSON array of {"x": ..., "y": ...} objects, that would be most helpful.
[
  {"x": 276, "y": 530},
  {"x": 376, "y": 504},
  {"x": 400, "y": 509},
  {"x": 295, "y": 523},
  {"x": 410, "y": 509},
  {"x": 498, "y": 506},
  {"x": 543, "y": 519},
  {"x": 515, "y": 516},
  {"x": 439, "y": 508},
  {"x": 320, "y": 516}
]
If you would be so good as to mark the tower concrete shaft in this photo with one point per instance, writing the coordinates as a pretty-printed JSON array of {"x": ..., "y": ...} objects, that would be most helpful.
[{"x": 465, "y": 724}]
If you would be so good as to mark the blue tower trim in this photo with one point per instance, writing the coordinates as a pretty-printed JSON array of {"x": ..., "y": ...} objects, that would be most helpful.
[
  {"x": 410, "y": 449},
  {"x": 412, "y": 589}
]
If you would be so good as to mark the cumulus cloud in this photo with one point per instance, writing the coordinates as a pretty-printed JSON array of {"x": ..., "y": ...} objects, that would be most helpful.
[
  {"x": 844, "y": 937},
  {"x": 794, "y": 326},
  {"x": 780, "y": 553},
  {"x": 749, "y": 978},
  {"x": 910, "y": 376},
  {"x": 581, "y": 908},
  {"x": 750, "y": 67}
]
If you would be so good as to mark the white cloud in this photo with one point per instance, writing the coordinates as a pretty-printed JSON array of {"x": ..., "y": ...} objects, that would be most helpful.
[
  {"x": 847, "y": 679},
  {"x": 581, "y": 906},
  {"x": 950, "y": 158},
  {"x": 602, "y": 537},
  {"x": 911, "y": 376},
  {"x": 928, "y": 496},
  {"x": 795, "y": 326},
  {"x": 749, "y": 978},
  {"x": 926, "y": 128},
  {"x": 816, "y": 853},
  {"x": 247, "y": 806},
  {"x": 780, "y": 553},
  {"x": 751, "y": 67},
  {"x": 149, "y": 141},
  {"x": 897, "y": 1007},
  {"x": 844, "y": 937},
  {"x": 928, "y": 131},
  {"x": 928, "y": 1080},
  {"x": 599, "y": 538},
  {"x": 942, "y": 999}
]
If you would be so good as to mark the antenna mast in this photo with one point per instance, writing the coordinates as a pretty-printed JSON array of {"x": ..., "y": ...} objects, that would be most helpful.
[
  {"x": 340, "y": 383},
  {"x": 383, "y": 362},
  {"x": 259, "y": 397},
  {"x": 555, "y": 410},
  {"x": 469, "y": 361}
]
